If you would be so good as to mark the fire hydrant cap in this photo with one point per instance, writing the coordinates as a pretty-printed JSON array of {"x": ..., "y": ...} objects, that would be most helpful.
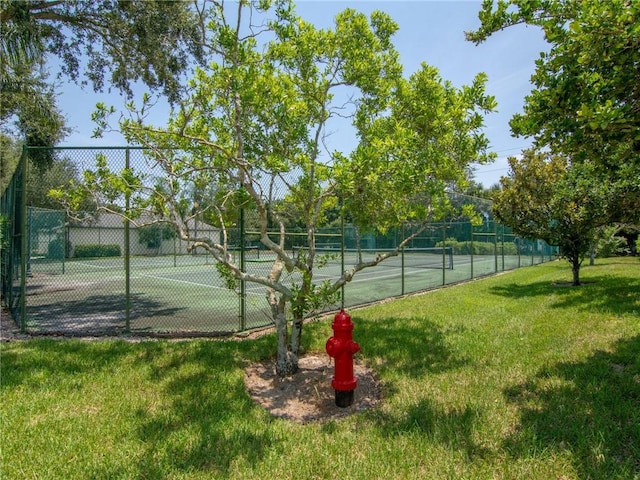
[{"x": 342, "y": 318}]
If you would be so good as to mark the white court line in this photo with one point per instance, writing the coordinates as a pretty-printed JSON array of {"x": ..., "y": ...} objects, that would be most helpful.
[
  {"x": 156, "y": 277},
  {"x": 92, "y": 265},
  {"x": 376, "y": 277},
  {"x": 364, "y": 276}
]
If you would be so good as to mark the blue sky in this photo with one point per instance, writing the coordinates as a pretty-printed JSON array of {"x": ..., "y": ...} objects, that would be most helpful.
[{"x": 431, "y": 32}]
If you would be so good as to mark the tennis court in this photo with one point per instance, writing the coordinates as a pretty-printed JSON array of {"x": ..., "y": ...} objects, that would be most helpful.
[
  {"x": 105, "y": 275},
  {"x": 185, "y": 294}
]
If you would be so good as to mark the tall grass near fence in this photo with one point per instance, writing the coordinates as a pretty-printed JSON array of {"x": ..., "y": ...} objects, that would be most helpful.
[{"x": 513, "y": 377}]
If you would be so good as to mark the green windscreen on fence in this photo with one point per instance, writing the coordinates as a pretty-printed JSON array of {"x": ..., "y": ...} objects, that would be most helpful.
[{"x": 47, "y": 240}]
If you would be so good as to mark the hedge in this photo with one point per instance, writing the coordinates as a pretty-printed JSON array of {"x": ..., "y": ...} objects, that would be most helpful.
[
  {"x": 479, "y": 248},
  {"x": 96, "y": 250}
]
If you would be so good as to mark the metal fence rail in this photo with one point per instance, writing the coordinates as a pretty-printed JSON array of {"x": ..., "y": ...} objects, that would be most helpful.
[{"x": 108, "y": 277}]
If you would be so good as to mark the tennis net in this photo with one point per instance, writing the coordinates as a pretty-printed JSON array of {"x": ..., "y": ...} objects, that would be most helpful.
[{"x": 431, "y": 257}]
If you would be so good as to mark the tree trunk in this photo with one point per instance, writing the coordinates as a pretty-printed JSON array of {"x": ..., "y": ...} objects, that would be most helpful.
[
  {"x": 286, "y": 360},
  {"x": 287, "y": 363},
  {"x": 575, "y": 268},
  {"x": 296, "y": 337}
]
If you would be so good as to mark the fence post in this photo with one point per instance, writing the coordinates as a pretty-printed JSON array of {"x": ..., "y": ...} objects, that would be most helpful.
[
  {"x": 471, "y": 246},
  {"x": 24, "y": 254},
  {"x": 127, "y": 251},
  {"x": 444, "y": 255},
  {"x": 495, "y": 246},
  {"x": 243, "y": 300},
  {"x": 533, "y": 253},
  {"x": 502, "y": 245},
  {"x": 402, "y": 290}
]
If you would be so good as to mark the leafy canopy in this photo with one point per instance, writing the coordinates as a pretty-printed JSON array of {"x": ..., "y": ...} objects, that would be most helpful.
[
  {"x": 256, "y": 128},
  {"x": 585, "y": 103},
  {"x": 104, "y": 43},
  {"x": 546, "y": 196},
  {"x": 151, "y": 40}
]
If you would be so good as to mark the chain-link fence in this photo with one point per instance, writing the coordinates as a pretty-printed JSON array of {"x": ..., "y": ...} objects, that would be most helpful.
[
  {"x": 106, "y": 275},
  {"x": 12, "y": 228}
]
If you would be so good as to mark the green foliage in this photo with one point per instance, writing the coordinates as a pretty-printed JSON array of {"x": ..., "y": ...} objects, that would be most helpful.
[
  {"x": 151, "y": 41},
  {"x": 227, "y": 275},
  {"x": 10, "y": 153},
  {"x": 405, "y": 160},
  {"x": 153, "y": 235},
  {"x": 546, "y": 197},
  {"x": 4, "y": 234},
  {"x": 585, "y": 96},
  {"x": 91, "y": 250},
  {"x": 467, "y": 247},
  {"x": 254, "y": 131},
  {"x": 608, "y": 244},
  {"x": 59, "y": 174},
  {"x": 32, "y": 117},
  {"x": 308, "y": 299},
  {"x": 28, "y": 109}
]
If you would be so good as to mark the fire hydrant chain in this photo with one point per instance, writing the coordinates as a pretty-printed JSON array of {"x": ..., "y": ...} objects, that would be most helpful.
[{"x": 341, "y": 347}]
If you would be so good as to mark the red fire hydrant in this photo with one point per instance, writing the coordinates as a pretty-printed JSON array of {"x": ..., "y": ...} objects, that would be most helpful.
[{"x": 342, "y": 347}]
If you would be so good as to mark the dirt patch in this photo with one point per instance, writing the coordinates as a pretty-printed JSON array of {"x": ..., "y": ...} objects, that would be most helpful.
[{"x": 308, "y": 396}]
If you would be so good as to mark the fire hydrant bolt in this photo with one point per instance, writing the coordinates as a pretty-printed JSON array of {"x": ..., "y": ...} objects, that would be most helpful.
[{"x": 341, "y": 347}]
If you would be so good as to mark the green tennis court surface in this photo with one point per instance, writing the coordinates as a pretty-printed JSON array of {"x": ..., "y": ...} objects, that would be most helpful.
[{"x": 185, "y": 294}]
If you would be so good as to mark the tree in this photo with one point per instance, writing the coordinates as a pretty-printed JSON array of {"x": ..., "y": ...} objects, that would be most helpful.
[
  {"x": 61, "y": 172},
  {"x": 151, "y": 41},
  {"x": 26, "y": 97},
  {"x": 586, "y": 98},
  {"x": 256, "y": 124},
  {"x": 10, "y": 154},
  {"x": 152, "y": 235},
  {"x": 547, "y": 197}
]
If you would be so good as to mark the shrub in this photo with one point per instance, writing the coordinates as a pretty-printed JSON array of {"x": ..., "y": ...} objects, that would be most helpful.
[
  {"x": 484, "y": 248},
  {"x": 479, "y": 248},
  {"x": 153, "y": 235},
  {"x": 96, "y": 250},
  {"x": 609, "y": 245},
  {"x": 4, "y": 232}
]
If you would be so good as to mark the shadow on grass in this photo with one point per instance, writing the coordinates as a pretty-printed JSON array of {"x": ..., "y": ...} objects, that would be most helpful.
[
  {"x": 207, "y": 421},
  {"x": 413, "y": 346},
  {"x": 201, "y": 420},
  {"x": 32, "y": 363},
  {"x": 608, "y": 294},
  {"x": 451, "y": 427},
  {"x": 590, "y": 409}
]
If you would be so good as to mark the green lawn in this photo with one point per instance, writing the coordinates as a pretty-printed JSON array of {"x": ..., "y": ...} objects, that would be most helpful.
[{"x": 510, "y": 377}]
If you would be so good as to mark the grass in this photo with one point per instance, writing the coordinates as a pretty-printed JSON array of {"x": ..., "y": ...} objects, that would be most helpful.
[{"x": 509, "y": 377}]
